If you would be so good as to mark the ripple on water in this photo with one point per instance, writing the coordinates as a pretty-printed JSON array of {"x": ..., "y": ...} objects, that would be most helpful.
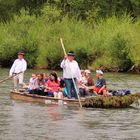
[{"x": 28, "y": 121}]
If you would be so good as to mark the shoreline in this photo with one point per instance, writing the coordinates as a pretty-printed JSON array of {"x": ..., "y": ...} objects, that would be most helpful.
[{"x": 104, "y": 69}]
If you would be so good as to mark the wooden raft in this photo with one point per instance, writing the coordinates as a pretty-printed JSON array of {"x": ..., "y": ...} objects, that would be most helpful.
[{"x": 92, "y": 102}]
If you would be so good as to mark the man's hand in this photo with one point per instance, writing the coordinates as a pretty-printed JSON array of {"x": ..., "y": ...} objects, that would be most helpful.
[
  {"x": 65, "y": 57},
  {"x": 10, "y": 77}
]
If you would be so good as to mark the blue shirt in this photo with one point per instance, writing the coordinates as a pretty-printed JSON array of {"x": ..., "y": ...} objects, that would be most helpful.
[{"x": 100, "y": 82}]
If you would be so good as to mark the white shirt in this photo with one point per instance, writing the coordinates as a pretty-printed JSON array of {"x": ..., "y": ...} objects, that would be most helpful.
[
  {"x": 71, "y": 69},
  {"x": 18, "y": 66},
  {"x": 33, "y": 82}
]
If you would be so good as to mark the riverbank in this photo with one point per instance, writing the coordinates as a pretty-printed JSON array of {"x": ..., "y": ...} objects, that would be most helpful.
[{"x": 112, "y": 43}]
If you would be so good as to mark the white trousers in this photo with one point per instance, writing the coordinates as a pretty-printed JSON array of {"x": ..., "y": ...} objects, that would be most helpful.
[{"x": 18, "y": 80}]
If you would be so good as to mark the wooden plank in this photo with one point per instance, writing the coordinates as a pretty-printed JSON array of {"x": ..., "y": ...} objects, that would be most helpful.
[{"x": 42, "y": 99}]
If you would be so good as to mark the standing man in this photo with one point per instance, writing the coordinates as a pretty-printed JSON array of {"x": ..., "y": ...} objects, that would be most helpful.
[
  {"x": 19, "y": 66},
  {"x": 71, "y": 71}
]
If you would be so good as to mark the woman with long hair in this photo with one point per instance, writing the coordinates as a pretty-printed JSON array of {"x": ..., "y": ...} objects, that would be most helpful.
[{"x": 53, "y": 86}]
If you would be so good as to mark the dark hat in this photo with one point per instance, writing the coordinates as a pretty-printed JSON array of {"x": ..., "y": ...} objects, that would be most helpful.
[
  {"x": 71, "y": 53},
  {"x": 21, "y": 53}
]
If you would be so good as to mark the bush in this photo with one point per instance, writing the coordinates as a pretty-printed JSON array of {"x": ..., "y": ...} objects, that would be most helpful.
[
  {"x": 115, "y": 41},
  {"x": 120, "y": 53},
  {"x": 112, "y": 42}
]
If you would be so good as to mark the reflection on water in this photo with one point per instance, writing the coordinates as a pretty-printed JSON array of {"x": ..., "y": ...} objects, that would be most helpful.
[{"x": 29, "y": 121}]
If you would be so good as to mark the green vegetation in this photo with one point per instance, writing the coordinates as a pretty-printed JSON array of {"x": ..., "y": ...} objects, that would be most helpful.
[
  {"x": 111, "y": 102},
  {"x": 103, "y": 33}
]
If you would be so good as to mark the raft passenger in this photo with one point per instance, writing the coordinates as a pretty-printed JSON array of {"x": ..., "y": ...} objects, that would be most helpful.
[
  {"x": 100, "y": 87},
  {"x": 52, "y": 86},
  {"x": 82, "y": 84},
  {"x": 90, "y": 83},
  {"x": 39, "y": 85},
  {"x": 32, "y": 83},
  {"x": 46, "y": 77}
]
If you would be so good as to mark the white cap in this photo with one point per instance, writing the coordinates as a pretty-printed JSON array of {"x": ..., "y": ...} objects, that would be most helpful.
[
  {"x": 99, "y": 72},
  {"x": 87, "y": 71}
]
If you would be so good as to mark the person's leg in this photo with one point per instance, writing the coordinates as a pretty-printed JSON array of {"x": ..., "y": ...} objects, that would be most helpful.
[
  {"x": 15, "y": 80},
  {"x": 60, "y": 94},
  {"x": 65, "y": 92},
  {"x": 82, "y": 92},
  {"x": 75, "y": 87},
  {"x": 88, "y": 93},
  {"x": 50, "y": 94},
  {"x": 96, "y": 90},
  {"x": 21, "y": 78},
  {"x": 35, "y": 91},
  {"x": 68, "y": 86},
  {"x": 30, "y": 91},
  {"x": 105, "y": 92},
  {"x": 43, "y": 93},
  {"x": 55, "y": 95},
  {"x": 39, "y": 92}
]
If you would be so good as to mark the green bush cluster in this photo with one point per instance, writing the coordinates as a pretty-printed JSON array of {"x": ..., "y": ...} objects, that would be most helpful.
[{"x": 111, "y": 42}]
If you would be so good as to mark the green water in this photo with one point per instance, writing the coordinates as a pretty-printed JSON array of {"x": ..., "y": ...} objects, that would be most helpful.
[{"x": 29, "y": 121}]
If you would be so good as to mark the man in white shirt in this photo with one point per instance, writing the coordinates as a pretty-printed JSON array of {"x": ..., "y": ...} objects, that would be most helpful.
[
  {"x": 71, "y": 70},
  {"x": 19, "y": 66}
]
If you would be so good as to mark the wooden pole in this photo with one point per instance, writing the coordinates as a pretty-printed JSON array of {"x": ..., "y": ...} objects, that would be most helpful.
[
  {"x": 9, "y": 78},
  {"x": 62, "y": 44}
]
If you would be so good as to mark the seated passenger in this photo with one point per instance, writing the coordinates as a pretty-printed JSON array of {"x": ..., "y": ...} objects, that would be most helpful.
[
  {"x": 46, "y": 77},
  {"x": 87, "y": 75},
  {"x": 52, "y": 86},
  {"x": 84, "y": 79},
  {"x": 86, "y": 87},
  {"x": 32, "y": 83},
  {"x": 90, "y": 85},
  {"x": 38, "y": 86},
  {"x": 82, "y": 84},
  {"x": 40, "y": 80},
  {"x": 100, "y": 87}
]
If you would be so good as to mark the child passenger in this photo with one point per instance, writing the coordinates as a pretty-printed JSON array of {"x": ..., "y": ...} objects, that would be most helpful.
[
  {"x": 53, "y": 86},
  {"x": 46, "y": 77},
  {"x": 100, "y": 87},
  {"x": 33, "y": 83}
]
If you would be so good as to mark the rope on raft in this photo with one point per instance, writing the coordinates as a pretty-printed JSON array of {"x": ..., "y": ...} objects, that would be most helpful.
[{"x": 111, "y": 102}]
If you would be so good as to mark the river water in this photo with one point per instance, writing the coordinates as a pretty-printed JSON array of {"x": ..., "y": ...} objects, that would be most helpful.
[{"x": 28, "y": 121}]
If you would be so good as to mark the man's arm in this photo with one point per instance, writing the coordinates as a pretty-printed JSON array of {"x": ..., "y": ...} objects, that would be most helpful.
[
  {"x": 12, "y": 68},
  {"x": 79, "y": 76},
  {"x": 24, "y": 67},
  {"x": 63, "y": 63}
]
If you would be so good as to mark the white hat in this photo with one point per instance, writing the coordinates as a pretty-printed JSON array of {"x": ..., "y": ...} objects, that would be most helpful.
[
  {"x": 99, "y": 72},
  {"x": 87, "y": 71}
]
